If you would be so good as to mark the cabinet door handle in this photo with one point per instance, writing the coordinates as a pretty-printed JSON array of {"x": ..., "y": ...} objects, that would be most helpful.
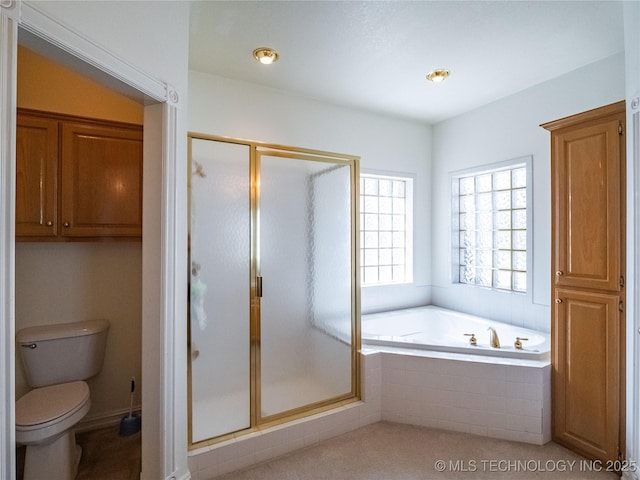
[
  {"x": 558, "y": 300},
  {"x": 559, "y": 273},
  {"x": 65, "y": 224},
  {"x": 49, "y": 223}
]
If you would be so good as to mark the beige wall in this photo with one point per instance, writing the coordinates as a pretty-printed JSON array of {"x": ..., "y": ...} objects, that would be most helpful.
[
  {"x": 69, "y": 282},
  {"x": 44, "y": 85}
]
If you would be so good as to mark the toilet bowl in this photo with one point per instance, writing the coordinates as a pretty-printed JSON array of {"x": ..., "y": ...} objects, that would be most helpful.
[
  {"x": 44, "y": 419},
  {"x": 57, "y": 358}
]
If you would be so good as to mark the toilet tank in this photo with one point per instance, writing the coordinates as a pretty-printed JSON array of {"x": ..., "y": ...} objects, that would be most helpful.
[{"x": 53, "y": 354}]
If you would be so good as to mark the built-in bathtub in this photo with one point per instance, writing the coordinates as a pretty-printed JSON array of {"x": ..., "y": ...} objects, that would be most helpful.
[
  {"x": 438, "y": 329},
  {"x": 432, "y": 376}
]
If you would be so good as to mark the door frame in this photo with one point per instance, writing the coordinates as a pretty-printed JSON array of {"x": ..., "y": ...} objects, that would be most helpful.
[{"x": 164, "y": 449}]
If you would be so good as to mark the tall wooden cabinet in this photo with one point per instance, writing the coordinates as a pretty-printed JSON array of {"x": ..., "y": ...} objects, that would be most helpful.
[
  {"x": 77, "y": 178},
  {"x": 588, "y": 248}
]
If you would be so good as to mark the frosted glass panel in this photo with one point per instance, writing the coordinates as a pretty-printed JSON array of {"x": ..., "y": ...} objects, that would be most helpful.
[
  {"x": 219, "y": 275},
  {"x": 305, "y": 261}
]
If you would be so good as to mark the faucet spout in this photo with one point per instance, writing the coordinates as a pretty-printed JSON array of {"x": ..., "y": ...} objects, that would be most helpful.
[{"x": 493, "y": 338}]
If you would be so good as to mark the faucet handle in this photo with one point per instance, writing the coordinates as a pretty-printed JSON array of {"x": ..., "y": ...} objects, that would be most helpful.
[
  {"x": 472, "y": 340},
  {"x": 518, "y": 342}
]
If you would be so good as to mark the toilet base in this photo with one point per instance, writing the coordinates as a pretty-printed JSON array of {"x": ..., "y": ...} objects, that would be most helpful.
[{"x": 57, "y": 460}]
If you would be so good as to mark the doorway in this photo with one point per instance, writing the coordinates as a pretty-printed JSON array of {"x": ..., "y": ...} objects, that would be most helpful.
[
  {"x": 164, "y": 450},
  {"x": 94, "y": 276}
]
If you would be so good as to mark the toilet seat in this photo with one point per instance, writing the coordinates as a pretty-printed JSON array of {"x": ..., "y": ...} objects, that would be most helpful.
[{"x": 45, "y": 412}]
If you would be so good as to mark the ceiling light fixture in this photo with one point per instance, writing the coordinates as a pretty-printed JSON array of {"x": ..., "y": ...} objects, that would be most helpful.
[
  {"x": 265, "y": 55},
  {"x": 438, "y": 76}
]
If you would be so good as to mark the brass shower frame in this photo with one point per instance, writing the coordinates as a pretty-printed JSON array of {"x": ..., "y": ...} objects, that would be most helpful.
[{"x": 258, "y": 150}]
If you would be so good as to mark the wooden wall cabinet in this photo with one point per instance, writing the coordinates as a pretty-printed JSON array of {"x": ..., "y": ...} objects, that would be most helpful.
[
  {"x": 77, "y": 178},
  {"x": 36, "y": 176}
]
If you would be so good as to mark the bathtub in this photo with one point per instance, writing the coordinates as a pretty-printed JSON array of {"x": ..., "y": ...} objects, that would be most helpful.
[{"x": 438, "y": 329}]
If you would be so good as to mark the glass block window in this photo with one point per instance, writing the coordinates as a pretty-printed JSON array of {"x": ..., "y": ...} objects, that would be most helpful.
[
  {"x": 386, "y": 229},
  {"x": 490, "y": 228}
]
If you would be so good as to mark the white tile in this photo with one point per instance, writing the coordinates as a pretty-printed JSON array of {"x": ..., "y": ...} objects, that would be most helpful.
[
  {"x": 496, "y": 388},
  {"x": 475, "y": 385},
  {"x": 208, "y": 473},
  {"x": 395, "y": 361},
  {"x": 496, "y": 404},
  {"x": 371, "y": 361},
  {"x": 453, "y": 426},
  {"x": 497, "y": 421},
  {"x": 524, "y": 374},
  {"x": 417, "y": 364},
  {"x": 532, "y": 391},
  {"x": 514, "y": 390},
  {"x": 415, "y": 377},
  {"x": 532, "y": 424},
  {"x": 504, "y": 434},
  {"x": 207, "y": 461},
  {"x": 429, "y": 395},
  {"x": 521, "y": 406},
  {"x": 393, "y": 376},
  {"x": 491, "y": 371},
  {"x": 227, "y": 452}
]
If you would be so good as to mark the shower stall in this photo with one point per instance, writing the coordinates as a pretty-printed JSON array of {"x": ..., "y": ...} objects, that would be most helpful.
[{"x": 274, "y": 307}]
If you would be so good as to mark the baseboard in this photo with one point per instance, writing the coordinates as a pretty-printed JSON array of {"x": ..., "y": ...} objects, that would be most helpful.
[{"x": 104, "y": 420}]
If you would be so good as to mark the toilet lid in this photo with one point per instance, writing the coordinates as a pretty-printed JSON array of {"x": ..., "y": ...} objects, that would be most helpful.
[{"x": 45, "y": 404}]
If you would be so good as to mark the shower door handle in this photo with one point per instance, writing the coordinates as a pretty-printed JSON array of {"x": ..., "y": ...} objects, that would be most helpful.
[{"x": 259, "y": 287}]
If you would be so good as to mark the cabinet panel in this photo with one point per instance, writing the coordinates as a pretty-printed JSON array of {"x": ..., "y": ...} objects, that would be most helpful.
[
  {"x": 101, "y": 181},
  {"x": 586, "y": 383},
  {"x": 587, "y": 181},
  {"x": 36, "y": 176}
]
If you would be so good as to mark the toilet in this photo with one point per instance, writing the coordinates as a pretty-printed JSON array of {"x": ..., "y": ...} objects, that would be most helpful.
[{"x": 56, "y": 360}]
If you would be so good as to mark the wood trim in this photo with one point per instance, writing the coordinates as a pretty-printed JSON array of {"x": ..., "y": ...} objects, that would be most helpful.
[
  {"x": 63, "y": 117},
  {"x": 594, "y": 114}
]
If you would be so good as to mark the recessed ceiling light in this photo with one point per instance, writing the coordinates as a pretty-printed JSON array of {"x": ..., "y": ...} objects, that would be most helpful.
[
  {"x": 265, "y": 55},
  {"x": 438, "y": 75}
]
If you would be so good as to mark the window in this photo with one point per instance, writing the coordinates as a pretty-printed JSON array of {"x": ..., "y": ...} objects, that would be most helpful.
[
  {"x": 490, "y": 227},
  {"x": 386, "y": 229}
]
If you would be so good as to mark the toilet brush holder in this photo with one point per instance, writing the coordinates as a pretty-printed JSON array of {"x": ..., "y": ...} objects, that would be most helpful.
[{"x": 131, "y": 423}]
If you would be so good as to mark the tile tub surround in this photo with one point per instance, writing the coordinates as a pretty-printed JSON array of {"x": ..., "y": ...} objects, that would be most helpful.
[{"x": 478, "y": 395}]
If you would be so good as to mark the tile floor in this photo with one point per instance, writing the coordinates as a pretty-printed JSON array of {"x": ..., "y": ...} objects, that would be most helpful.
[{"x": 105, "y": 456}]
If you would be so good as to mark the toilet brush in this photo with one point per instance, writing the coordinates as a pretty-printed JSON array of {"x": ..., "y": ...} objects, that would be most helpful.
[{"x": 131, "y": 423}]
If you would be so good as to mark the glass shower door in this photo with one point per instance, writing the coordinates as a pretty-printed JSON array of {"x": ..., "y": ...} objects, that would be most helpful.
[
  {"x": 305, "y": 262},
  {"x": 274, "y": 308},
  {"x": 220, "y": 255}
]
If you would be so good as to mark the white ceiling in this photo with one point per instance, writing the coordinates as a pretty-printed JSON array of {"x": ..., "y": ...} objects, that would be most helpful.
[{"x": 374, "y": 55}]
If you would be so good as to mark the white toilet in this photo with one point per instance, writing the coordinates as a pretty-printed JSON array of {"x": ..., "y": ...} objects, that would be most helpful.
[{"x": 56, "y": 358}]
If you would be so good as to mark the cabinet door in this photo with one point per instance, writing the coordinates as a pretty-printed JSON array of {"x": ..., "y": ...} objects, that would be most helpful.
[
  {"x": 101, "y": 181},
  {"x": 36, "y": 177},
  {"x": 587, "y": 188},
  {"x": 586, "y": 372}
]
